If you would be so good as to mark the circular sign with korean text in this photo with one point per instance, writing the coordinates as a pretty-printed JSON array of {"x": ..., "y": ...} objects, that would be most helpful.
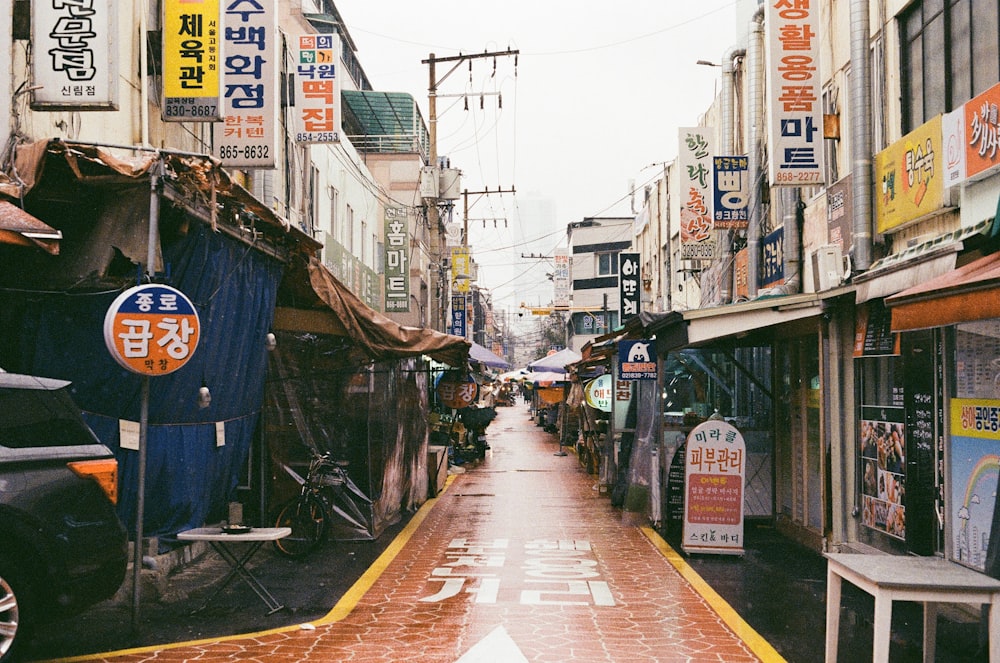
[
  {"x": 152, "y": 329},
  {"x": 598, "y": 393},
  {"x": 457, "y": 391}
]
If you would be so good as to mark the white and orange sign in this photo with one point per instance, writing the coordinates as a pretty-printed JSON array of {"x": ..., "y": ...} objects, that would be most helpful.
[
  {"x": 714, "y": 467},
  {"x": 152, "y": 329}
]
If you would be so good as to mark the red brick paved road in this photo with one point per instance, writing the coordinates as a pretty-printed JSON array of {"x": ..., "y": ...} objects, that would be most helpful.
[{"x": 518, "y": 560}]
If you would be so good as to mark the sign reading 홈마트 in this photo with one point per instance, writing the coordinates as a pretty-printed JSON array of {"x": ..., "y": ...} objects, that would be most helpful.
[{"x": 152, "y": 329}]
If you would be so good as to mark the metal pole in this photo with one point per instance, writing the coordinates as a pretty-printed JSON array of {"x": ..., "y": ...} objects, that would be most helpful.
[{"x": 140, "y": 503}]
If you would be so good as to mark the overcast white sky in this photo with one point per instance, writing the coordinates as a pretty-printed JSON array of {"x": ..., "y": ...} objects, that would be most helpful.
[{"x": 597, "y": 97}]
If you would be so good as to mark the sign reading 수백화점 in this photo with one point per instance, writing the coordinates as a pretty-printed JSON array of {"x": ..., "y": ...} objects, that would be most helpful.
[
  {"x": 152, "y": 329},
  {"x": 714, "y": 471}
]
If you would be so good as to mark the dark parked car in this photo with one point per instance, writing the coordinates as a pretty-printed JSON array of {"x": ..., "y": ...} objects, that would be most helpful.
[{"x": 62, "y": 546}]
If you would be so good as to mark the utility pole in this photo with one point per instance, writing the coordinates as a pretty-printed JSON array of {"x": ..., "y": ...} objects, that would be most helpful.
[
  {"x": 438, "y": 289},
  {"x": 465, "y": 215}
]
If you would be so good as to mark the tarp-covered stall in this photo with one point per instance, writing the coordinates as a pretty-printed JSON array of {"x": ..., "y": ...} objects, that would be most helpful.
[
  {"x": 53, "y": 309},
  {"x": 348, "y": 380}
]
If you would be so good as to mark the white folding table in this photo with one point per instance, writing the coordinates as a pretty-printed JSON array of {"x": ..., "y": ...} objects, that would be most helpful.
[
  {"x": 224, "y": 543},
  {"x": 927, "y": 580}
]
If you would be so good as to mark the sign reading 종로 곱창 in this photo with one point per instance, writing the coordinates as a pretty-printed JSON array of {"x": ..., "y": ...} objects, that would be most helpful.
[
  {"x": 714, "y": 471},
  {"x": 457, "y": 390},
  {"x": 152, "y": 329}
]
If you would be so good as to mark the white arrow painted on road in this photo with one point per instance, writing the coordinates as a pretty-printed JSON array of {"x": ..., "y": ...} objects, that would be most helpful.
[{"x": 497, "y": 647}]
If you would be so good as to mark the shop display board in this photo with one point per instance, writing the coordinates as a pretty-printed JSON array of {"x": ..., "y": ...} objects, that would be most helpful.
[{"x": 714, "y": 473}]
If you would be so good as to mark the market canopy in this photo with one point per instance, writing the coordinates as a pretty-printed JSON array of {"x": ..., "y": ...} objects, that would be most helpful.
[
  {"x": 484, "y": 356},
  {"x": 557, "y": 361},
  {"x": 545, "y": 378}
]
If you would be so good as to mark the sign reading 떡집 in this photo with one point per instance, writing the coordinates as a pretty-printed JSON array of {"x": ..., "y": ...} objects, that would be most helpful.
[
  {"x": 317, "y": 94},
  {"x": 152, "y": 329},
  {"x": 714, "y": 471}
]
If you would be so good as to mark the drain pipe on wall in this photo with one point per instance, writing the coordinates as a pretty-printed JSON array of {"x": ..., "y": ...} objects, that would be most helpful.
[
  {"x": 726, "y": 285},
  {"x": 860, "y": 105},
  {"x": 755, "y": 102}
]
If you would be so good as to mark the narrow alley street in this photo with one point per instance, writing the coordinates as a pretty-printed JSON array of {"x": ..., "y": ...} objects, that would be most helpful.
[{"x": 518, "y": 560}]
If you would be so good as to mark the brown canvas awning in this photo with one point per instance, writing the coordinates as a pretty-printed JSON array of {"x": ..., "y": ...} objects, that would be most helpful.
[
  {"x": 20, "y": 228},
  {"x": 971, "y": 292},
  {"x": 341, "y": 312}
]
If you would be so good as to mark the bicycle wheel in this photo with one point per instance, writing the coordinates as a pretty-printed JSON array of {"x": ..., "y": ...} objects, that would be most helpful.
[{"x": 306, "y": 516}]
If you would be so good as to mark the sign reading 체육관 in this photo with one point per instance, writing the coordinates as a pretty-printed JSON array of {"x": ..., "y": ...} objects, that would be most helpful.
[
  {"x": 192, "y": 52},
  {"x": 152, "y": 329},
  {"x": 714, "y": 469}
]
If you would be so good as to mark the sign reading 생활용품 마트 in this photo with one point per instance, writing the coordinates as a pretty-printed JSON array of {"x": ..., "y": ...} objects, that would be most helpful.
[
  {"x": 152, "y": 329},
  {"x": 714, "y": 471}
]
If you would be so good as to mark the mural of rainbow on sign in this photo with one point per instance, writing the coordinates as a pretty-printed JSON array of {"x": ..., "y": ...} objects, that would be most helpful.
[{"x": 975, "y": 471}]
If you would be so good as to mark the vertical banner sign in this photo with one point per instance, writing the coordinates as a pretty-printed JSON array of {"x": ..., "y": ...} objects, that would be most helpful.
[
  {"x": 247, "y": 138},
  {"x": 772, "y": 259},
  {"x": 397, "y": 260},
  {"x": 317, "y": 95},
  {"x": 732, "y": 193},
  {"x": 560, "y": 278},
  {"x": 458, "y": 316},
  {"x": 74, "y": 63},
  {"x": 628, "y": 285},
  {"x": 151, "y": 329},
  {"x": 460, "y": 271},
  {"x": 192, "y": 61},
  {"x": 695, "y": 169},
  {"x": 795, "y": 139},
  {"x": 953, "y": 145},
  {"x": 714, "y": 471}
]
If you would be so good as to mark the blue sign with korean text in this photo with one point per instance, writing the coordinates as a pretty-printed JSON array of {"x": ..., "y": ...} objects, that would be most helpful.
[{"x": 637, "y": 360}]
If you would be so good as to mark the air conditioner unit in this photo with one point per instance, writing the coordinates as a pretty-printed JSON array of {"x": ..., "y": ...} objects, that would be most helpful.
[{"x": 830, "y": 267}]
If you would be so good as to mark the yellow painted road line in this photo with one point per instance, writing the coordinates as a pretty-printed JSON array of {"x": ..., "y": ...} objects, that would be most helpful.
[
  {"x": 757, "y": 644},
  {"x": 342, "y": 609}
]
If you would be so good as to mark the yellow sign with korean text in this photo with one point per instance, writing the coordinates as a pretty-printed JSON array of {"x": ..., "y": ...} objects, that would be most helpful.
[
  {"x": 192, "y": 60},
  {"x": 460, "y": 271},
  {"x": 909, "y": 180}
]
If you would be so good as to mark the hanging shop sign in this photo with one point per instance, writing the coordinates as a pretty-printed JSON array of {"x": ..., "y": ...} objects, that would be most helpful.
[
  {"x": 794, "y": 93},
  {"x": 459, "y": 317},
  {"x": 461, "y": 272},
  {"x": 74, "y": 59},
  {"x": 152, "y": 329},
  {"x": 397, "y": 260},
  {"x": 560, "y": 278},
  {"x": 598, "y": 393},
  {"x": 192, "y": 61},
  {"x": 694, "y": 162},
  {"x": 714, "y": 477},
  {"x": 247, "y": 137},
  {"x": 909, "y": 180},
  {"x": 732, "y": 192},
  {"x": 316, "y": 104},
  {"x": 772, "y": 259},
  {"x": 982, "y": 134},
  {"x": 637, "y": 360},
  {"x": 628, "y": 285},
  {"x": 457, "y": 390}
]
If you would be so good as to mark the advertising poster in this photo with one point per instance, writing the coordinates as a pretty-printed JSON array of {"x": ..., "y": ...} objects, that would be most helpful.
[
  {"x": 883, "y": 469},
  {"x": 714, "y": 472},
  {"x": 975, "y": 467}
]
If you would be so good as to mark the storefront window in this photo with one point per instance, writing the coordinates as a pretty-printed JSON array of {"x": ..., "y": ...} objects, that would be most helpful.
[{"x": 974, "y": 444}]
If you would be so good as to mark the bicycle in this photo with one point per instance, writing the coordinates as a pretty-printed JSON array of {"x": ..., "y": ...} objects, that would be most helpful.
[{"x": 326, "y": 490}]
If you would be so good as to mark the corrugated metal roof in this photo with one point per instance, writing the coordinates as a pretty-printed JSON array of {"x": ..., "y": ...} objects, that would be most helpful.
[{"x": 384, "y": 122}]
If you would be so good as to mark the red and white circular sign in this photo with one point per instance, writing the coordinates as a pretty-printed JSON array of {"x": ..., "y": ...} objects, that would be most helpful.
[{"x": 152, "y": 329}]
